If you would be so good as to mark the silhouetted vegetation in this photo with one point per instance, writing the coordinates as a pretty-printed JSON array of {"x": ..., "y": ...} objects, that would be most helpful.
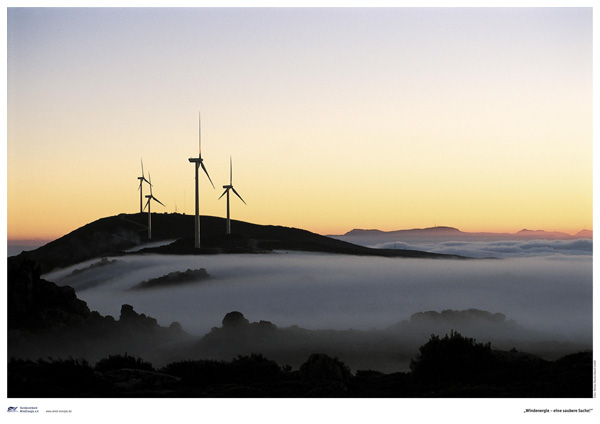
[
  {"x": 102, "y": 262},
  {"x": 243, "y": 369},
  {"x": 492, "y": 374},
  {"x": 174, "y": 278},
  {"x": 320, "y": 367},
  {"x": 67, "y": 378},
  {"x": 452, "y": 358},
  {"x": 115, "y": 362}
]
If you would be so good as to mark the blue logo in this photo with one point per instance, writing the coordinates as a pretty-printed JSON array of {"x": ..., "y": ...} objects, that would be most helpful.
[{"x": 12, "y": 408}]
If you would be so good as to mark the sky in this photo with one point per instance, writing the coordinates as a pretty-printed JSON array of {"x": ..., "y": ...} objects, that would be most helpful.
[{"x": 334, "y": 118}]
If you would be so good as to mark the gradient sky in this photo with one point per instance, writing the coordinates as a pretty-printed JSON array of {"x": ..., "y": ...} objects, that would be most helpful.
[{"x": 336, "y": 118}]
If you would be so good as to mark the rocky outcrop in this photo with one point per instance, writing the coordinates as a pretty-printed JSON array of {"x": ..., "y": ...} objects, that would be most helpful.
[
  {"x": 237, "y": 328},
  {"x": 46, "y": 320},
  {"x": 235, "y": 320},
  {"x": 36, "y": 305}
]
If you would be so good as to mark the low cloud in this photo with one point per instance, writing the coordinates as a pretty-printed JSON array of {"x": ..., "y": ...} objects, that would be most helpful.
[
  {"x": 500, "y": 249},
  {"x": 323, "y": 291}
]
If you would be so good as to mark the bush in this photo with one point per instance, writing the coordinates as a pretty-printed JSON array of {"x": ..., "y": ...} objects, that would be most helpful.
[
  {"x": 243, "y": 369},
  {"x": 197, "y": 372},
  {"x": 52, "y": 378},
  {"x": 117, "y": 362},
  {"x": 453, "y": 358},
  {"x": 255, "y": 368},
  {"x": 321, "y": 367}
]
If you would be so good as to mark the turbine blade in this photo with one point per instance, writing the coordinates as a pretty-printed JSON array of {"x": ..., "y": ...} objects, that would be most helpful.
[
  {"x": 204, "y": 168},
  {"x": 142, "y": 166},
  {"x": 223, "y": 194},
  {"x": 236, "y": 193},
  {"x": 230, "y": 172},
  {"x": 147, "y": 204},
  {"x": 158, "y": 201},
  {"x": 199, "y": 135}
]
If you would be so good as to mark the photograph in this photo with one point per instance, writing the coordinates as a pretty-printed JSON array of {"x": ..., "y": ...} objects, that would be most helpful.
[{"x": 290, "y": 213}]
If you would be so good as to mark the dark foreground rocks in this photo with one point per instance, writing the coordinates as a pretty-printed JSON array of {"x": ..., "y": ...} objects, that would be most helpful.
[{"x": 49, "y": 321}]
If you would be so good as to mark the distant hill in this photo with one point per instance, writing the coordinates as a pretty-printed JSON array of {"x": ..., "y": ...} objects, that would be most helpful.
[
  {"x": 541, "y": 234},
  {"x": 431, "y": 231},
  {"x": 439, "y": 234},
  {"x": 584, "y": 234},
  {"x": 116, "y": 234}
]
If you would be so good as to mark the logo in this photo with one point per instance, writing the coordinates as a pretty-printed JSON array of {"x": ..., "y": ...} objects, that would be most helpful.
[{"x": 12, "y": 408}]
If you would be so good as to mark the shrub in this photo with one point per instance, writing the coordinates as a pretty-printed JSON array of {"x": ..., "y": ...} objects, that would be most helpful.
[
  {"x": 243, "y": 369},
  {"x": 52, "y": 378},
  {"x": 255, "y": 368},
  {"x": 321, "y": 367},
  {"x": 117, "y": 362},
  {"x": 197, "y": 372},
  {"x": 452, "y": 358}
]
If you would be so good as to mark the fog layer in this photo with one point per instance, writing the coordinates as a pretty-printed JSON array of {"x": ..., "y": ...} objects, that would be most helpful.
[
  {"x": 323, "y": 291},
  {"x": 498, "y": 249}
]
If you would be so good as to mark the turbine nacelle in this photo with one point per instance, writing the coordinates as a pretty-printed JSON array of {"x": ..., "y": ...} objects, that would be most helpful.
[
  {"x": 151, "y": 196},
  {"x": 200, "y": 163}
]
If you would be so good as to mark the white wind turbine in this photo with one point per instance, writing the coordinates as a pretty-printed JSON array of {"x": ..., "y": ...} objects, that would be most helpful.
[
  {"x": 227, "y": 188},
  {"x": 150, "y": 197},
  {"x": 142, "y": 179},
  {"x": 199, "y": 163}
]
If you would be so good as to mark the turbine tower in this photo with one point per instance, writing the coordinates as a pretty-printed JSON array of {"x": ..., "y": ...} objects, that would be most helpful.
[
  {"x": 150, "y": 197},
  {"x": 142, "y": 179},
  {"x": 199, "y": 163},
  {"x": 227, "y": 188}
]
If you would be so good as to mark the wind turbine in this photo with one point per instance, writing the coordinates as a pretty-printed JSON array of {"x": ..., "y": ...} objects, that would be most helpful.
[
  {"x": 150, "y": 197},
  {"x": 227, "y": 188},
  {"x": 142, "y": 179},
  {"x": 199, "y": 163}
]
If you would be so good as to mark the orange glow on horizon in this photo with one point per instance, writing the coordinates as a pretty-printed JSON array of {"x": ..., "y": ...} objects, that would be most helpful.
[{"x": 49, "y": 235}]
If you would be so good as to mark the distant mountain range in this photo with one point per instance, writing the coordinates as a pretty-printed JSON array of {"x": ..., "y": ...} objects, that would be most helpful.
[{"x": 439, "y": 234}]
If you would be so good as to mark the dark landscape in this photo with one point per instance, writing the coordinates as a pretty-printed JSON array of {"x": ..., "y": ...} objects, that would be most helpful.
[
  {"x": 114, "y": 235},
  {"x": 58, "y": 347}
]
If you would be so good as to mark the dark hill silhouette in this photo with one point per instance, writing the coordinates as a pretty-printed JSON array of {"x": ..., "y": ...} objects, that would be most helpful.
[{"x": 114, "y": 235}]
